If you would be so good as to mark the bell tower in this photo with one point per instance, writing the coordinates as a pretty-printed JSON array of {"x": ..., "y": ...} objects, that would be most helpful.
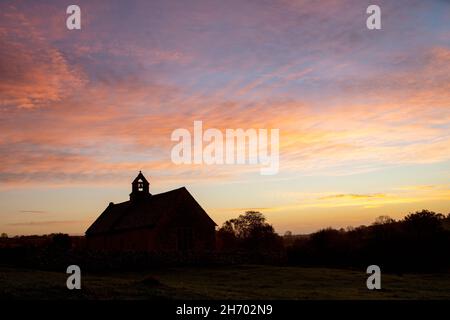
[{"x": 139, "y": 188}]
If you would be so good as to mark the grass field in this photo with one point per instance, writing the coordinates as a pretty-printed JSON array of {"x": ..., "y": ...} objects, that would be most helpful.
[{"x": 234, "y": 282}]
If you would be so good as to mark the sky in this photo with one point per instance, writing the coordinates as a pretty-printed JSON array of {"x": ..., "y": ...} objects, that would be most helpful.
[{"x": 363, "y": 115}]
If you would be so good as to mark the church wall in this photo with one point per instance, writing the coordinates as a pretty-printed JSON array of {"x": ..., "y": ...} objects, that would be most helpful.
[
  {"x": 170, "y": 228},
  {"x": 132, "y": 240}
]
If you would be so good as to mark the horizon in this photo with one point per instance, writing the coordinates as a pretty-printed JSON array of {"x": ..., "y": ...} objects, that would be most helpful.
[
  {"x": 279, "y": 233},
  {"x": 363, "y": 115}
]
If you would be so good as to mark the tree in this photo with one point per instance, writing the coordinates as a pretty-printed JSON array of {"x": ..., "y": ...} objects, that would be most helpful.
[
  {"x": 249, "y": 231},
  {"x": 226, "y": 237},
  {"x": 381, "y": 220},
  {"x": 251, "y": 224},
  {"x": 60, "y": 242},
  {"x": 425, "y": 220}
]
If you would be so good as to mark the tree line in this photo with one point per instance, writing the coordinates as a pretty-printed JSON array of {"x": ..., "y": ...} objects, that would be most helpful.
[{"x": 418, "y": 242}]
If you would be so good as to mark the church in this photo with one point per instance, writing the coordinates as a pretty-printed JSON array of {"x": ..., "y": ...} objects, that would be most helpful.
[{"x": 172, "y": 221}]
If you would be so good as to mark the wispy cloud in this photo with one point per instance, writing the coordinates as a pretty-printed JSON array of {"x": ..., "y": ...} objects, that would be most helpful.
[
  {"x": 34, "y": 73},
  {"x": 354, "y": 196},
  {"x": 44, "y": 223},
  {"x": 33, "y": 211},
  {"x": 92, "y": 107}
]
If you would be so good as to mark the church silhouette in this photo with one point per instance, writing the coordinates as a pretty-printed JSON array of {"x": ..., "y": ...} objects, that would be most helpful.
[{"x": 172, "y": 221}]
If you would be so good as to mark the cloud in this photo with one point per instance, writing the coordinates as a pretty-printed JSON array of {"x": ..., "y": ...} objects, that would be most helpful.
[
  {"x": 44, "y": 223},
  {"x": 33, "y": 211},
  {"x": 34, "y": 73},
  {"x": 413, "y": 194},
  {"x": 91, "y": 108},
  {"x": 354, "y": 196},
  {"x": 99, "y": 109},
  {"x": 422, "y": 187}
]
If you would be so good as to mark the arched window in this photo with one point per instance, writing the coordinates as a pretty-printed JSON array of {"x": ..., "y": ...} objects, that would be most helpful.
[{"x": 140, "y": 185}]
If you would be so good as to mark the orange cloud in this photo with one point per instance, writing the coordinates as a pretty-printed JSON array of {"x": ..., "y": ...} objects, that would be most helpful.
[
  {"x": 34, "y": 73},
  {"x": 45, "y": 223},
  {"x": 89, "y": 129},
  {"x": 353, "y": 196}
]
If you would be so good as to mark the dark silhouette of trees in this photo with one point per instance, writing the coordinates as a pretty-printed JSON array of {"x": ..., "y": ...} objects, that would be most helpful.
[
  {"x": 249, "y": 231},
  {"x": 419, "y": 242},
  {"x": 424, "y": 223},
  {"x": 381, "y": 220},
  {"x": 60, "y": 242}
]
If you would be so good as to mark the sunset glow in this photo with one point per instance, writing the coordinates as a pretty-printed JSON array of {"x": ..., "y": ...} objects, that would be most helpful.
[{"x": 363, "y": 115}]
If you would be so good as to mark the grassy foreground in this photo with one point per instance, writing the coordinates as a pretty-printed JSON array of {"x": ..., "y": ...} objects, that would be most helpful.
[{"x": 236, "y": 282}]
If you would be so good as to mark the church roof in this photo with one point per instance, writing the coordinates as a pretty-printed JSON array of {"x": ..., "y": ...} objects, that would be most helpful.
[
  {"x": 140, "y": 176},
  {"x": 146, "y": 213}
]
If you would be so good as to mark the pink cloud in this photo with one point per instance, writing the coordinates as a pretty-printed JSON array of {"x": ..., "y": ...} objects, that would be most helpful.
[
  {"x": 78, "y": 127},
  {"x": 33, "y": 72}
]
